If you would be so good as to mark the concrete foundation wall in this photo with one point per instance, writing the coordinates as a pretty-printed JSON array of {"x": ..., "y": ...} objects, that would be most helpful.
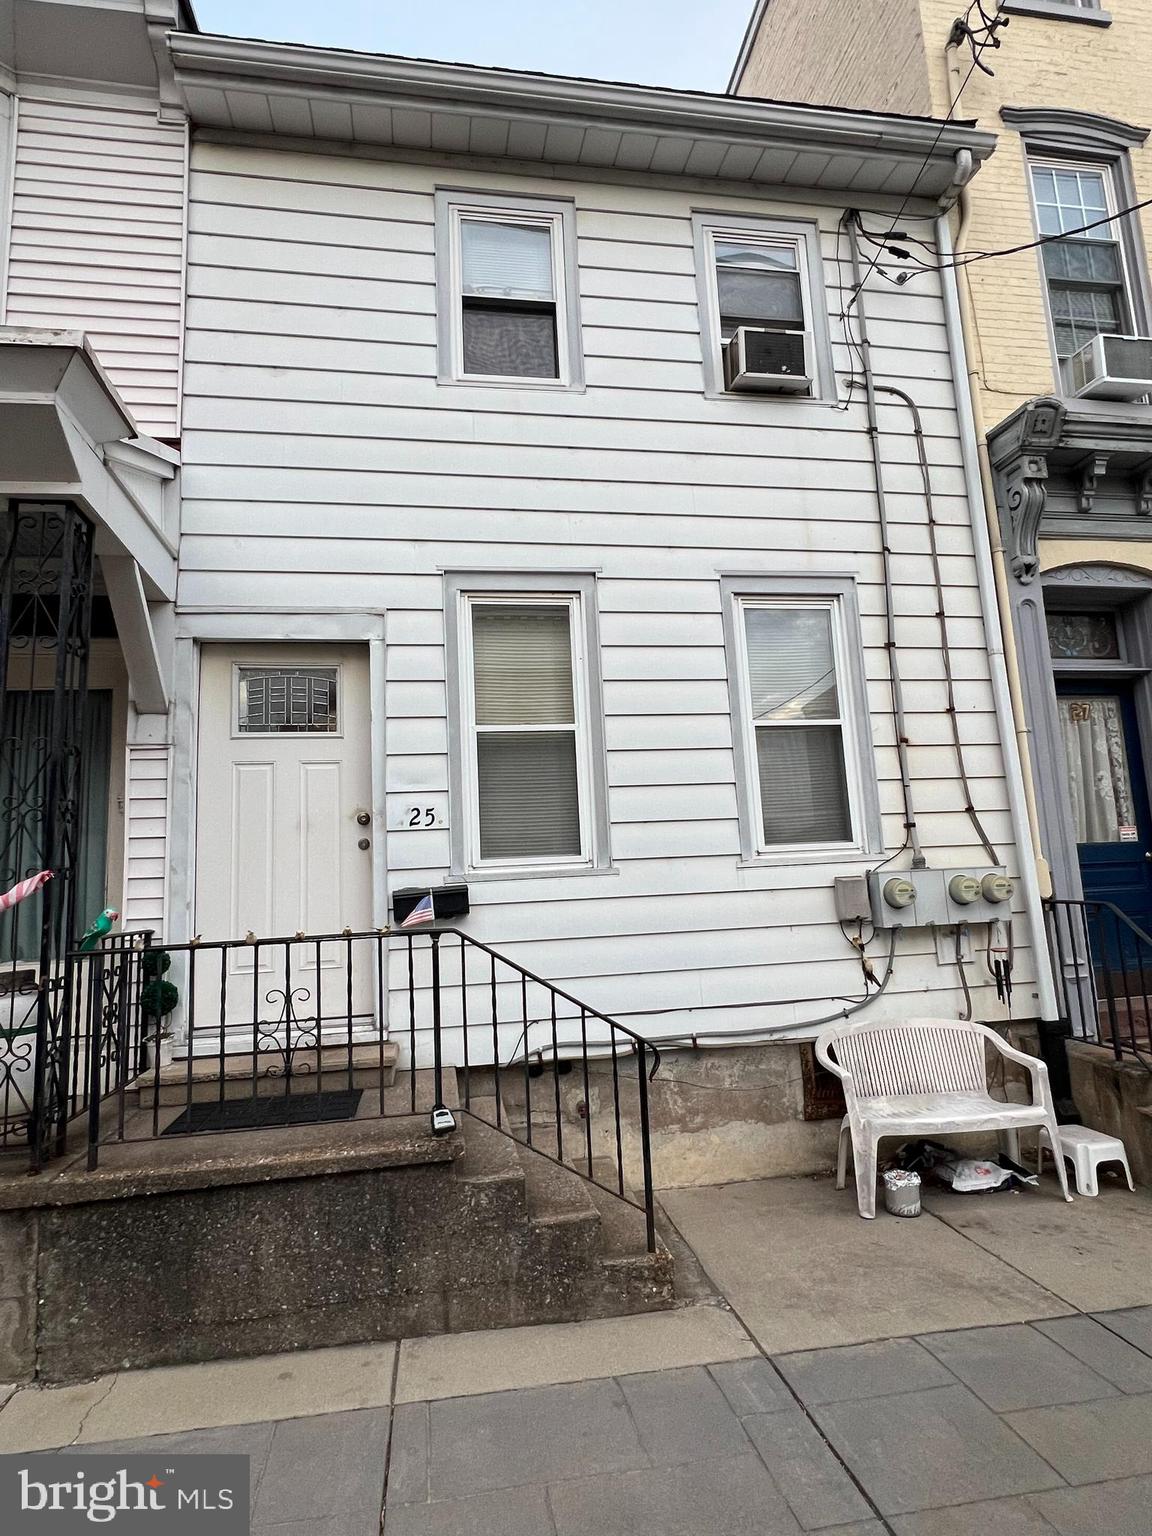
[{"x": 1115, "y": 1097}]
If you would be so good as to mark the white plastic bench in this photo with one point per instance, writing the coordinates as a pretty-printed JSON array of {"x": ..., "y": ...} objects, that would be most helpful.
[{"x": 924, "y": 1077}]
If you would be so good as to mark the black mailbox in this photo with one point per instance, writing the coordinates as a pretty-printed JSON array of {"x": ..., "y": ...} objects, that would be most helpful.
[{"x": 448, "y": 901}]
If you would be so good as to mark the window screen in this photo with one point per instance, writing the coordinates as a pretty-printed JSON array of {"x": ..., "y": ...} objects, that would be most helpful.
[
  {"x": 796, "y": 718},
  {"x": 525, "y": 721},
  {"x": 758, "y": 284},
  {"x": 508, "y": 299},
  {"x": 1084, "y": 272}
]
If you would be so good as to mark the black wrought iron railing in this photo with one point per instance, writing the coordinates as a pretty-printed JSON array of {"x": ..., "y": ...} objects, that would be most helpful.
[
  {"x": 1102, "y": 962},
  {"x": 213, "y": 1037}
]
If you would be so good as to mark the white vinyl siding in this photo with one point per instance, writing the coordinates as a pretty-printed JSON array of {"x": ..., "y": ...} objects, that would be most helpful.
[
  {"x": 327, "y": 467},
  {"x": 97, "y": 242}
]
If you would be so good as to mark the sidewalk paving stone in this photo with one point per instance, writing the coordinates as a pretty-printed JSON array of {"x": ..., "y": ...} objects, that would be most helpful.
[
  {"x": 683, "y": 1416},
  {"x": 922, "y": 1450},
  {"x": 503, "y": 1439},
  {"x": 1097, "y": 1346},
  {"x": 997, "y": 1517},
  {"x": 507, "y": 1511},
  {"x": 1133, "y": 1323},
  {"x": 734, "y": 1496},
  {"x": 1103, "y": 1509},
  {"x": 1089, "y": 1442},
  {"x": 862, "y": 1370},
  {"x": 408, "y": 1454},
  {"x": 818, "y": 1490},
  {"x": 752, "y": 1386},
  {"x": 323, "y": 1467},
  {"x": 1016, "y": 1367},
  {"x": 251, "y": 1440}
]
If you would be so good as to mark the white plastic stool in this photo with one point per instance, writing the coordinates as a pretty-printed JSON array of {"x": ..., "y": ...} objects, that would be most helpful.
[{"x": 1087, "y": 1149}]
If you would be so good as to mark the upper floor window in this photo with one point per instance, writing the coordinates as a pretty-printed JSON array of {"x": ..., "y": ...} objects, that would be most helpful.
[
  {"x": 506, "y": 291},
  {"x": 1088, "y": 285},
  {"x": 766, "y": 275},
  {"x": 1091, "y": 11}
]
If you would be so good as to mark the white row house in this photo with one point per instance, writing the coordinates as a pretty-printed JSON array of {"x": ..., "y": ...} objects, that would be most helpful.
[{"x": 572, "y": 523}]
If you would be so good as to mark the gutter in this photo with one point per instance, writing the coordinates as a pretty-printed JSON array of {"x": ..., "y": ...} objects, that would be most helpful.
[
  {"x": 200, "y": 59},
  {"x": 1010, "y": 744}
]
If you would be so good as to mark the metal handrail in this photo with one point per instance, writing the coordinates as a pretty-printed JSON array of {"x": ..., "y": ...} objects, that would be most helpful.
[
  {"x": 1093, "y": 971},
  {"x": 320, "y": 1035}
]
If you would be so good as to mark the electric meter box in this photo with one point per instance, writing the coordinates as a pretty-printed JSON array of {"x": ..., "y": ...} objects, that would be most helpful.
[{"x": 923, "y": 898}]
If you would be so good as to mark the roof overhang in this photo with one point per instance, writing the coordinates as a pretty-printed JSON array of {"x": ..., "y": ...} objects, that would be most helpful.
[{"x": 253, "y": 87}]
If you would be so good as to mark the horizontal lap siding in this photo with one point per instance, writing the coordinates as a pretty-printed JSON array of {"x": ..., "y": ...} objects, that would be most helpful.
[
  {"x": 325, "y": 467},
  {"x": 97, "y": 243}
]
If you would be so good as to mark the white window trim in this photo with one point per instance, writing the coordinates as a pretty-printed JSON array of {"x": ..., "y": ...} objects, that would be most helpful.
[
  {"x": 1107, "y": 172},
  {"x": 559, "y": 219},
  {"x": 579, "y": 589},
  {"x": 837, "y": 596},
  {"x": 804, "y": 237}
]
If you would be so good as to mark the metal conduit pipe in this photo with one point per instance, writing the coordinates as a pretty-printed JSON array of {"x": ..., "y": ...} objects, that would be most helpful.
[
  {"x": 997, "y": 661},
  {"x": 913, "y": 834}
]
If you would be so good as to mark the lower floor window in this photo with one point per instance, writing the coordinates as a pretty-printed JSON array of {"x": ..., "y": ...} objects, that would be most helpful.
[
  {"x": 527, "y": 730},
  {"x": 793, "y": 694}
]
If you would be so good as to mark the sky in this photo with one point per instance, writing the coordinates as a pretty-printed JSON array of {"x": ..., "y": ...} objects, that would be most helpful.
[{"x": 687, "y": 43}]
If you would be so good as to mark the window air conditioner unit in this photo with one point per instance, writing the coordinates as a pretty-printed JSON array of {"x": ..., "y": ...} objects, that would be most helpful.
[
  {"x": 775, "y": 362},
  {"x": 1112, "y": 368}
]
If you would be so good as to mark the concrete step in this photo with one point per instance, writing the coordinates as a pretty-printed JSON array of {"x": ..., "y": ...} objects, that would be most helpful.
[{"x": 199, "y": 1078}]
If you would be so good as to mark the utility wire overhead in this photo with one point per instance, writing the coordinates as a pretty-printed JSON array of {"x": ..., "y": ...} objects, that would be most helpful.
[{"x": 978, "y": 38}]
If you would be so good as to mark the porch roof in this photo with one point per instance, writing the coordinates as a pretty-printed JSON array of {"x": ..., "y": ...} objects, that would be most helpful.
[{"x": 65, "y": 434}]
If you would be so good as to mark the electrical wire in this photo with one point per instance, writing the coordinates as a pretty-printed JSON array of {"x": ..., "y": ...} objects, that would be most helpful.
[
  {"x": 972, "y": 257},
  {"x": 991, "y": 40}
]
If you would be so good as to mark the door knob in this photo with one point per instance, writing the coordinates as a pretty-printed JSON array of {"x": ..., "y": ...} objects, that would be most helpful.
[
  {"x": 1148, "y": 856},
  {"x": 363, "y": 819},
  {"x": 364, "y": 842}
]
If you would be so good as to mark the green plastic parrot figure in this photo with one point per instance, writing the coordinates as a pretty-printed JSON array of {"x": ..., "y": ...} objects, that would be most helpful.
[{"x": 98, "y": 928}]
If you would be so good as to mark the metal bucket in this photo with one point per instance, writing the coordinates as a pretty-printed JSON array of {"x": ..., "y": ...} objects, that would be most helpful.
[{"x": 902, "y": 1192}]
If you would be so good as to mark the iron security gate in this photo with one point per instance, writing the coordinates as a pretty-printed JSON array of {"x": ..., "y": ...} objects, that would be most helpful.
[{"x": 46, "y": 567}]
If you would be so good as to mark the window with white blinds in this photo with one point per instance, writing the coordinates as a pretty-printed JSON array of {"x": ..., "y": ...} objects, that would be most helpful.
[
  {"x": 793, "y": 701},
  {"x": 527, "y": 735}
]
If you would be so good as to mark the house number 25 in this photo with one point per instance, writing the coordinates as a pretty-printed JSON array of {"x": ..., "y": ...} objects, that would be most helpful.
[{"x": 421, "y": 816}]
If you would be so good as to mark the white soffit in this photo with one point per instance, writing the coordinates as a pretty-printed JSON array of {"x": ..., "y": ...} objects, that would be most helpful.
[{"x": 414, "y": 104}]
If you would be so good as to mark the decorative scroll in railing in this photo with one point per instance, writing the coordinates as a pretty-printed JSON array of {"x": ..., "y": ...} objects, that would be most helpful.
[{"x": 1103, "y": 968}]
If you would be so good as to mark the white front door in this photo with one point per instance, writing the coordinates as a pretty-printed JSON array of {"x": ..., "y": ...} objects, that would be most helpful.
[{"x": 284, "y": 832}]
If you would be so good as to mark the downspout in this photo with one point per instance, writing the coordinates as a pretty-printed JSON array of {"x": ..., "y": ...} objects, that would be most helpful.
[
  {"x": 959, "y": 196},
  {"x": 993, "y": 599}
]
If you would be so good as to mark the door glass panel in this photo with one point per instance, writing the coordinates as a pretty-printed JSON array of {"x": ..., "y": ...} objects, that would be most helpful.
[
  {"x": 287, "y": 700},
  {"x": 1099, "y": 782},
  {"x": 1083, "y": 636}
]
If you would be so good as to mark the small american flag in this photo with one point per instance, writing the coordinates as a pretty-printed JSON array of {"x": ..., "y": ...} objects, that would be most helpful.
[{"x": 422, "y": 912}]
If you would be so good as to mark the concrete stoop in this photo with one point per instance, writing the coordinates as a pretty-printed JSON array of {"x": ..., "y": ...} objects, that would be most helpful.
[{"x": 210, "y": 1247}]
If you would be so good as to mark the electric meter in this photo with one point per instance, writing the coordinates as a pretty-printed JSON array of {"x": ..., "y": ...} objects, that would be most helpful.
[
  {"x": 964, "y": 889},
  {"x": 899, "y": 892},
  {"x": 996, "y": 887}
]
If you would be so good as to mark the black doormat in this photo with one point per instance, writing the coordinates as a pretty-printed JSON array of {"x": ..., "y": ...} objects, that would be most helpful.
[{"x": 261, "y": 1113}]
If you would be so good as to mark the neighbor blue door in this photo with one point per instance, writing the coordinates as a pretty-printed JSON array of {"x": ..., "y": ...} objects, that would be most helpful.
[{"x": 1109, "y": 792}]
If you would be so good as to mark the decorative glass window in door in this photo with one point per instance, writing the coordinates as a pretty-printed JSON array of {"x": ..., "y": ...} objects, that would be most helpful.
[
  {"x": 274, "y": 701},
  {"x": 1096, "y": 757},
  {"x": 1083, "y": 636}
]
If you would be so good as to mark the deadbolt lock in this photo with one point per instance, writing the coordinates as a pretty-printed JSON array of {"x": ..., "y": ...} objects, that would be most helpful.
[{"x": 364, "y": 819}]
